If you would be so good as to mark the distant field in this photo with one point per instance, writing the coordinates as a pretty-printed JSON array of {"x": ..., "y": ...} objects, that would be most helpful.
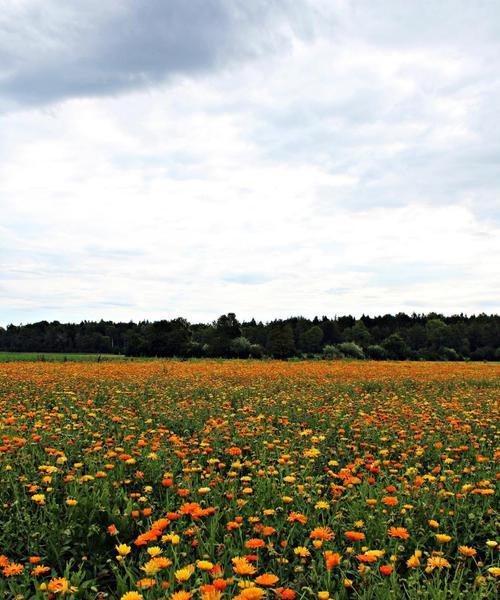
[{"x": 58, "y": 357}]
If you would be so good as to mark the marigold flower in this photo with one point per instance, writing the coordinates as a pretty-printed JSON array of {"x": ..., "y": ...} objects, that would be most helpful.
[
  {"x": 61, "y": 586},
  {"x": 437, "y": 562},
  {"x": 250, "y": 593},
  {"x": 181, "y": 595},
  {"x": 295, "y": 517},
  {"x": 322, "y": 533},
  {"x": 355, "y": 536},
  {"x": 184, "y": 574},
  {"x": 13, "y": 569},
  {"x": 399, "y": 532},
  {"x": 40, "y": 570},
  {"x": 132, "y": 596},
  {"x": 332, "y": 559},
  {"x": 467, "y": 551},
  {"x": 123, "y": 549},
  {"x": 241, "y": 566},
  {"x": 255, "y": 543},
  {"x": 267, "y": 579}
]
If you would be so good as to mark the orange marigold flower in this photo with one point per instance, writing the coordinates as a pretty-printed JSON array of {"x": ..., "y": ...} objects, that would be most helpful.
[
  {"x": 295, "y": 517},
  {"x": 255, "y": 543},
  {"x": 355, "y": 536},
  {"x": 467, "y": 551},
  {"x": 267, "y": 579},
  {"x": 386, "y": 569},
  {"x": 145, "y": 583},
  {"x": 322, "y": 533},
  {"x": 399, "y": 532},
  {"x": 40, "y": 570},
  {"x": 181, "y": 595},
  {"x": 12, "y": 569},
  {"x": 366, "y": 558},
  {"x": 332, "y": 559},
  {"x": 241, "y": 566},
  {"x": 390, "y": 500}
]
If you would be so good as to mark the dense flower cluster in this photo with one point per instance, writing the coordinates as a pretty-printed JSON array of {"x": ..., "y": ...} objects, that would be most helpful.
[{"x": 248, "y": 480}]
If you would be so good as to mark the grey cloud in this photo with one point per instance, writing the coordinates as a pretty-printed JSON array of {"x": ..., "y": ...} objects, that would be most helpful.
[{"x": 50, "y": 52}]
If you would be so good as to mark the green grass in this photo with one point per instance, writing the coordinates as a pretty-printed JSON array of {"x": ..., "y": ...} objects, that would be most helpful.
[{"x": 58, "y": 357}]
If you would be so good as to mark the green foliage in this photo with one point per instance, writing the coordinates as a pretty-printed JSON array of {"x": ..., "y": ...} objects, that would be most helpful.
[{"x": 351, "y": 350}]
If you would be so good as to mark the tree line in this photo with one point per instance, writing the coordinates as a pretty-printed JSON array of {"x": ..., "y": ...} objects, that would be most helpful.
[{"x": 389, "y": 337}]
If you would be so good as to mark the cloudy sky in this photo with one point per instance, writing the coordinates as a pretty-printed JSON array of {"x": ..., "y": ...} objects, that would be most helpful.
[{"x": 163, "y": 158}]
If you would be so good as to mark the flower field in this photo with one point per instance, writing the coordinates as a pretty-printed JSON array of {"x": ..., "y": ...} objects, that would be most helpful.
[{"x": 249, "y": 480}]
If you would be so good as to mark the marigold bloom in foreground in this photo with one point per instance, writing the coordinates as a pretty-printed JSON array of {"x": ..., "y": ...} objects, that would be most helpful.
[
  {"x": 12, "y": 569},
  {"x": 355, "y": 536},
  {"x": 322, "y": 533},
  {"x": 295, "y": 517},
  {"x": 399, "y": 532},
  {"x": 251, "y": 593},
  {"x": 267, "y": 579},
  {"x": 241, "y": 566},
  {"x": 181, "y": 595},
  {"x": 437, "y": 562},
  {"x": 184, "y": 574},
  {"x": 123, "y": 549},
  {"x": 255, "y": 543},
  {"x": 60, "y": 586},
  {"x": 467, "y": 551},
  {"x": 332, "y": 559},
  {"x": 132, "y": 596}
]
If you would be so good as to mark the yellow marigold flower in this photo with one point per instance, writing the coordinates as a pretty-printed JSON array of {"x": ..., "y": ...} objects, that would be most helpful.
[
  {"x": 151, "y": 568},
  {"x": 205, "y": 565},
  {"x": 184, "y": 574},
  {"x": 323, "y": 595},
  {"x": 442, "y": 538},
  {"x": 71, "y": 502},
  {"x": 39, "y": 499},
  {"x": 301, "y": 551},
  {"x": 154, "y": 551},
  {"x": 132, "y": 596},
  {"x": 321, "y": 505},
  {"x": 432, "y": 523},
  {"x": 181, "y": 595},
  {"x": 495, "y": 571},
  {"x": 123, "y": 549},
  {"x": 491, "y": 543},
  {"x": 437, "y": 562}
]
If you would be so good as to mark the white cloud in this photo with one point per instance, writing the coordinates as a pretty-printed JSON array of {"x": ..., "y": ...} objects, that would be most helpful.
[{"x": 354, "y": 171}]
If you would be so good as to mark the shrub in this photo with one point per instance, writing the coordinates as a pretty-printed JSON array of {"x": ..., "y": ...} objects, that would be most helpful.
[{"x": 351, "y": 350}]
